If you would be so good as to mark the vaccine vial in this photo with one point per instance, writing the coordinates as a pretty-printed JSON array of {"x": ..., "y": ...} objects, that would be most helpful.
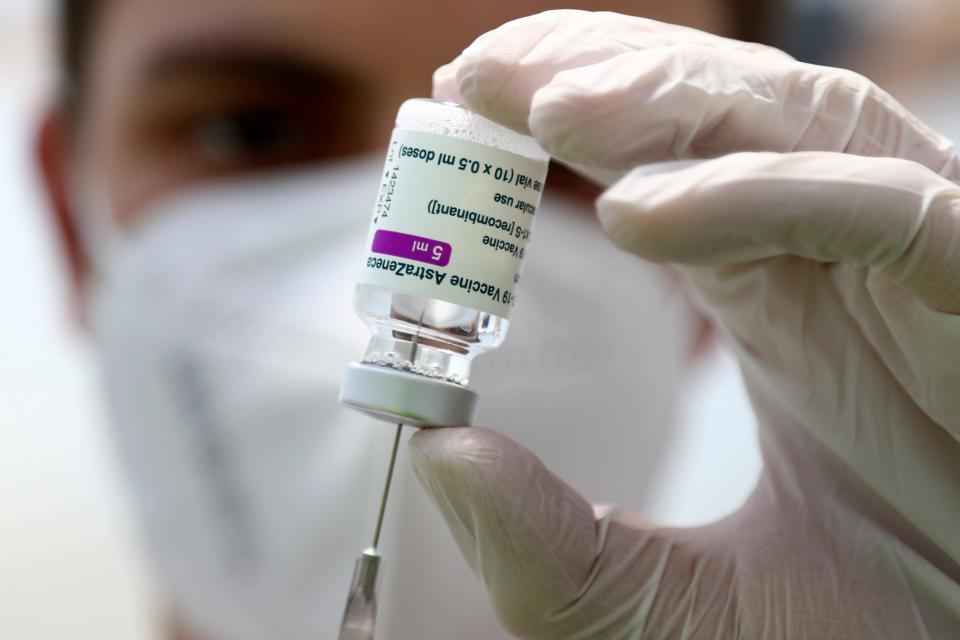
[{"x": 442, "y": 262}]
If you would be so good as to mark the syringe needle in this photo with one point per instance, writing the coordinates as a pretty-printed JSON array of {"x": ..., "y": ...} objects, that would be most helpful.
[
  {"x": 386, "y": 488},
  {"x": 360, "y": 615},
  {"x": 393, "y": 454}
]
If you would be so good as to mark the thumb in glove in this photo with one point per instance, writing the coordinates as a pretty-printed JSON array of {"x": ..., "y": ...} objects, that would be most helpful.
[{"x": 557, "y": 567}]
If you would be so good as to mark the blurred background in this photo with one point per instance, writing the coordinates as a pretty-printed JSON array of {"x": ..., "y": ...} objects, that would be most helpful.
[{"x": 70, "y": 566}]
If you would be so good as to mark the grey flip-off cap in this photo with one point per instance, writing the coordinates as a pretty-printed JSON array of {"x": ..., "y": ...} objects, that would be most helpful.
[{"x": 400, "y": 396}]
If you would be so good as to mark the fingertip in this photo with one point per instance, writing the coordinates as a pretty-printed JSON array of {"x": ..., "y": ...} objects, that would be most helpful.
[
  {"x": 435, "y": 445},
  {"x": 458, "y": 462},
  {"x": 616, "y": 220},
  {"x": 642, "y": 212},
  {"x": 445, "y": 85},
  {"x": 530, "y": 538},
  {"x": 502, "y": 69},
  {"x": 578, "y": 115},
  {"x": 680, "y": 211},
  {"x": 623, "y": 214}
]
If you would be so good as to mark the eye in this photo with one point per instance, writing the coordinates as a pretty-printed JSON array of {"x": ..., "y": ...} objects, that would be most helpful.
[{"x": 250, "y": 135}]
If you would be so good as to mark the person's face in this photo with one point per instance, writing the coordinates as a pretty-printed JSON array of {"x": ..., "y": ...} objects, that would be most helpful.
[{"x": 178, "y": 91}]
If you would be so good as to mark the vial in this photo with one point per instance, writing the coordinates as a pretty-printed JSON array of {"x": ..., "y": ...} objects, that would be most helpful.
[{"x": 457, "y": 200}]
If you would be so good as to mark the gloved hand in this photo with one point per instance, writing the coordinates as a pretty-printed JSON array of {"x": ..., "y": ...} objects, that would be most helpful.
[{"x": 819, "y": 227}]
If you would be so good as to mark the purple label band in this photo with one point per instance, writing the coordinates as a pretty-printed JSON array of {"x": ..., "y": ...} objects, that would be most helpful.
[{"x": 404, "y": 245}]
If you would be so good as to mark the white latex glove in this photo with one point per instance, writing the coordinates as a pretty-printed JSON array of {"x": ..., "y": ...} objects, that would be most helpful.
[{"x": 823, "y": 236}]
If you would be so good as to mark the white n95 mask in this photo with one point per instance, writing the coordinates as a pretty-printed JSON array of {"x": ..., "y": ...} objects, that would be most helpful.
[{"x": 224, "y": 322}]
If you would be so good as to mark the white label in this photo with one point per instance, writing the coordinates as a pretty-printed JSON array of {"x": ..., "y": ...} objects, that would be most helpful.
[{"x": 452, "y": 220}]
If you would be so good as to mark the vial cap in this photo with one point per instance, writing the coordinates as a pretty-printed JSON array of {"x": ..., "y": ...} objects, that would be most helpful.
[{"x": 400, "y": 396}]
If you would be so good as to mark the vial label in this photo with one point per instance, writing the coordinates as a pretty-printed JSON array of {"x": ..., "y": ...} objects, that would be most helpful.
[{"x": 452, "y": 220}]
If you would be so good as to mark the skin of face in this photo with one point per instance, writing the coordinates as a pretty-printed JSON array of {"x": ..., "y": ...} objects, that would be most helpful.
[{"x": 181, "y": 91}]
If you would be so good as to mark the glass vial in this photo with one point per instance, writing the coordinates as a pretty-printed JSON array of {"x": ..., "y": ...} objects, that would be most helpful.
[{"x": 443, "y": 258}]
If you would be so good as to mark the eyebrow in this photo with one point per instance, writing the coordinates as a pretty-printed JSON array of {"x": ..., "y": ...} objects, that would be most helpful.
[{"x": 250, "y": 63}]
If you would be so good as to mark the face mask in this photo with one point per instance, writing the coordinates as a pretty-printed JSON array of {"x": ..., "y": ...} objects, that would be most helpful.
[{"x": 224, "y": 323}]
